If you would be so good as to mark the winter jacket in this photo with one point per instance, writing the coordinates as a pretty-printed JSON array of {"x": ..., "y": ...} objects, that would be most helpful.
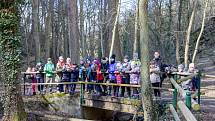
[
  {"x": 82, "y": 72},
  {"x": 154, "y": 75},
  {"x": 111, "y": 70},
  {"x": 135, "y": 72},
  {"x": 40, "y": 70},
  {"x": 99, "y": 76},
  {"x": 49, "y": 69},
  {"x": 66, "y": 72},
  {"x": 74, "y": 73},
  {"x": 126, "y": 67}
]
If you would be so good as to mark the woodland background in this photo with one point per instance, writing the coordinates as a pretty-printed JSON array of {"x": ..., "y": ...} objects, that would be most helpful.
[{"x": 83, "y": 28}]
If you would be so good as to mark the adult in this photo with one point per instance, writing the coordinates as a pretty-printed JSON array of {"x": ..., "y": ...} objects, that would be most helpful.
[{"x": 158, "y": 62}]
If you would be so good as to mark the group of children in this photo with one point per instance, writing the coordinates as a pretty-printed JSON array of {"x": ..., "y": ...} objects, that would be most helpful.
[{"x": 102, "y": 70}]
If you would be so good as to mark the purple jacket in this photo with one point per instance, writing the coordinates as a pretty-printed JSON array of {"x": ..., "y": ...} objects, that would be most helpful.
[{"x": 111, "y": 70}]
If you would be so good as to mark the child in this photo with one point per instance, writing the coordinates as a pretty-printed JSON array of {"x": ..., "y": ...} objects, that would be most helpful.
[
  {"x": 118, "y": 77},
  {"x": 40, "y": 76},
  {"x": 89, "y": 76},
  {"x": 49, "y": 70},
  {"x": 104, "y": 68},
  {"x": 112, "y": 77},
  {"x": 34, "y": 81},
  {"x": 135, "y": 74},
  {"x": 66, "y": 74},
  {"x": 126, "y": 67},
  {"x": 99, "y": 78},
  {"x": 73, "y": 78},
  {"x": 155, "y": 78},
  {"x": 82, "y": 72},
  {"x": 59, "y": 67}
]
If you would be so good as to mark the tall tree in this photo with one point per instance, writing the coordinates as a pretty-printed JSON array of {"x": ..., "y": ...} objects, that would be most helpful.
[
  {"x": 49, "y": 29},
  {"x": 35, "y": 28},
  {"x": 144, "y": 44},
  {"x": 137, "y": 30},
  {"x": 10, "y": 52},
  {"x": 74, "y": 50},
  {"x": 200, "y": 34},
  {"x": 82, "y": 40},
  {"x": 187, "y": 42},
  {"x": 115, "y": 40}
]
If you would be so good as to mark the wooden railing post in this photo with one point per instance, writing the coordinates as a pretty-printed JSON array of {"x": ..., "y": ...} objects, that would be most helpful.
[
  {"x": 81, "y": 94},
  {"x": 24, "y": 79},
  {"x": 199, "y": 87},
  {"x": 188, "y": 99},
  {"x": 175, "y": 96}
]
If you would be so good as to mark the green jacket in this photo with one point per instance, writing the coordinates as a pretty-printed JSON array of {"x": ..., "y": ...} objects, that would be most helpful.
[{"x": 49, "y": 69}]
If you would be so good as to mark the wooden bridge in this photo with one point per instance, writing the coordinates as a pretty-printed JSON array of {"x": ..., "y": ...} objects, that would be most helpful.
[{"x": 181, "y": 99}]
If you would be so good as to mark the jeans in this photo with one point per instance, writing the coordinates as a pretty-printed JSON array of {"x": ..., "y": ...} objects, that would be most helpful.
[
  {"x": 156, "y": 91},
  {"x": 73, "y": 86},
  {"x": 40, "y": 87},
  {"x": 125, "y": 80}
]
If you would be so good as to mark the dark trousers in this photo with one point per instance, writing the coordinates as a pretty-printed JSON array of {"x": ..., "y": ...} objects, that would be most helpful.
[
  {"x": 40, "y": 87},
  {"x": 112, "y": 87},
  {"x": 98, "y": 87},
  {"x": 125, "y": 81},
  {"x": 73, "y": 86},
  {"x": 156, "y": 91}
]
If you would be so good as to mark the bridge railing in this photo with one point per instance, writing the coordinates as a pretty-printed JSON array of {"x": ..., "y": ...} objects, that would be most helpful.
[
  {"x": 190, "y": 103},
  {"x": 185, "y": 108}
]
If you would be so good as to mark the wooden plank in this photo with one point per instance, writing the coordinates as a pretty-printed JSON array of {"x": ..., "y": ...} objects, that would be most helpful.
[
  {"x": 174, "y": 113},
  {"x": 186, "y": 112},
  {"x": 195, "y": 105}
]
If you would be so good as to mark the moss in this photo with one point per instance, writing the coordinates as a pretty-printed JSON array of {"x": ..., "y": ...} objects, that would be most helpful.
[{"x": 20, "y": 116}]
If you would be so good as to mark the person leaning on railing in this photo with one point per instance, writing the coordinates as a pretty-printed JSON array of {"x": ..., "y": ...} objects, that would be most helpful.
[
  {"x": 73, "y": 78},
  {"x": 58, "y": 78},
  {"x": 49, "y": 71},
  {"x": 155, "y": 78},
  {"x": 40, "y": 77}
]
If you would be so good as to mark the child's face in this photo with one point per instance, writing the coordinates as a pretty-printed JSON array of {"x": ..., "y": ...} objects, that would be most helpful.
[
  {"x": 33, "y": 69},
  {"x": 180, "y": 69},
  {"x": 152, "y": 65}
]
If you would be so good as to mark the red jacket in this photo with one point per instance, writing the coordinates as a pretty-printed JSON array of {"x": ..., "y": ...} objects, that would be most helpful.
[{"x": 99, "y": 75}]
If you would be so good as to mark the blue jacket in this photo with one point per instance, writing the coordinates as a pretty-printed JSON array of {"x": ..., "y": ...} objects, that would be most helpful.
[{"x": 111, "y": 70}]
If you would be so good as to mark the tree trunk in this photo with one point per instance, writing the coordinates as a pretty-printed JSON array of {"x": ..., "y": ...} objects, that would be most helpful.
[
  {"x": 137, "y": 30},
  {"x": 10, "y": 61},
  {"x": 146, "y": 91},
  {"x": 49, "y": 29},
  {"x": 200, "y": 34},
  {"x": 35, "y": 25},
  {"x": 187, "y": 44},
  {"x": 82, "y": 40},
  {"x": 74, "y": 51},
  {"x": 114, "y": 31}
]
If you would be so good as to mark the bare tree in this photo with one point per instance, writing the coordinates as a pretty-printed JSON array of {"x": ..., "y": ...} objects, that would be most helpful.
[
  {"x": 144, "y": 42},
  {"x": 200, "y": 34},
  {"x": 35, "y": 28},
  {"x": 74, "y": 50},
  {"x": 187, "y": 43}
]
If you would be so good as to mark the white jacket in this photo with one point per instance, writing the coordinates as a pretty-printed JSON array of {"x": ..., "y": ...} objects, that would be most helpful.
[{"x": 154, "y": 75}]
